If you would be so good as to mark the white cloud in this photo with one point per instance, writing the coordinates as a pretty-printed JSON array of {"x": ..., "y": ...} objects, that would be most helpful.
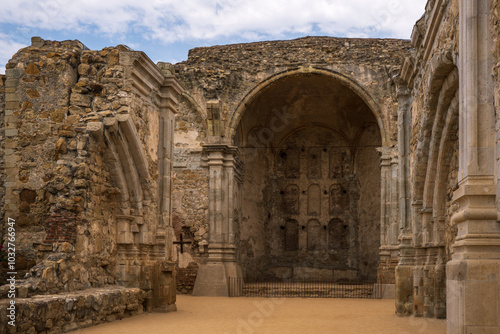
[
  {"x": 8, "y": 47},
  {"x": 174, "y": 20},
  {"x": 170, "y": 21}
]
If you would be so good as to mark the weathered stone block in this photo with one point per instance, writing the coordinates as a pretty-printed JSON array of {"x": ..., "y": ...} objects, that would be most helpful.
[
  {"x": 81, "y": 100},
  {"x": 32, "y": 69}
]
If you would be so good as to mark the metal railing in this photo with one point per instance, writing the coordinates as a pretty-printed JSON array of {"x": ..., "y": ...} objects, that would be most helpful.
[{"x": 304, "y": 289}]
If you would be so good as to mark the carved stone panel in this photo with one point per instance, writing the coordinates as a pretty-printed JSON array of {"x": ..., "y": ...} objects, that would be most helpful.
[{"x": 314, "y": 200}]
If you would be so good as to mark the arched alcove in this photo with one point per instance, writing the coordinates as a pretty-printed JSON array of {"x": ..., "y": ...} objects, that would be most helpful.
[{"x": 308, "y": 142}]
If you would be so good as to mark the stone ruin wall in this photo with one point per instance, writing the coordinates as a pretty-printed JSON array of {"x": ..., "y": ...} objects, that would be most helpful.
[
  {"x": 218, "y": 78},
  {"x": 228, "y": 73},
  {"x": 59, "y": 209},
  {"x": 70, "y": 311},
  {"x": 67, "y": 111},
  {"x": 432, "y": 77}
]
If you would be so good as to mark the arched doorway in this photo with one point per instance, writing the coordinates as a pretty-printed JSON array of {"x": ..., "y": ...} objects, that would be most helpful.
[{"x": 310, "y": 200}]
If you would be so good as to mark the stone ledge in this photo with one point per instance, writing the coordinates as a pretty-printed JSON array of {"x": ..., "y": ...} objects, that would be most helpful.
[{"x": 69, "y": 311}]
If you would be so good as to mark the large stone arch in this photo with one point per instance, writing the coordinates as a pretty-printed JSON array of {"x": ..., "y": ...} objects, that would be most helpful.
[
  {"x": 433, "y": 145},
  {"x": 443, "y": 189},
  {"x": 195, "y": 107},
  {"x": 338, "y": 76},
  {"x": 130, "y": 174},
  {"x": 442, "y": 66},
  {"x": 430, "y": 269},
  {"x": 446, "y": 97}
]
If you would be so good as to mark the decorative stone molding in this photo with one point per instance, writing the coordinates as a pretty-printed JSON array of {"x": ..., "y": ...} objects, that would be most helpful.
[{"x": 225, "y": 171}]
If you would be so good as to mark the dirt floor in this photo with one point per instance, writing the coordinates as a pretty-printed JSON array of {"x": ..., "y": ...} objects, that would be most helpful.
[{"x": 210, "y": 315}]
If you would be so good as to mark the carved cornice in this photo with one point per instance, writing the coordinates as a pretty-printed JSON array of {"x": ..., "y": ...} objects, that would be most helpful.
[
  {"x": 151, "y": 82},
  {"x": 433, "y": 25},
  {"x": 221, "y": 148}
]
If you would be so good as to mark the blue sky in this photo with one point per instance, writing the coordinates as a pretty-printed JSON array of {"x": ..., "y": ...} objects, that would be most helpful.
[{"x": 166, "y": 29}]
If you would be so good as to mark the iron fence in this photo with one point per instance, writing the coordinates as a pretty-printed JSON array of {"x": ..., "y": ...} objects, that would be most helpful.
[{"x": 304, "y": 289}]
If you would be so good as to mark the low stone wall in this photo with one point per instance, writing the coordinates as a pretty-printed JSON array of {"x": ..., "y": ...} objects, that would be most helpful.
[
  {"x": 186, "y": 277},
  {"x": 66, "y": 312}
]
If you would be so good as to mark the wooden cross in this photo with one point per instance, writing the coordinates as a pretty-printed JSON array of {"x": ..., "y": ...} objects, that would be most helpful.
[{"x": 181, "y": 242}]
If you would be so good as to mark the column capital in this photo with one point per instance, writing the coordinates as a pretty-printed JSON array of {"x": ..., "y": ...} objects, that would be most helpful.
[
  {"x": 223, "y": 148},
  {"x": 225, "y": 156},
  {"x": 388, "y": 152}
]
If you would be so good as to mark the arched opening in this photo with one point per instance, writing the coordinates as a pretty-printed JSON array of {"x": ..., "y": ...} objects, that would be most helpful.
[{"x": 308, "y": 142}]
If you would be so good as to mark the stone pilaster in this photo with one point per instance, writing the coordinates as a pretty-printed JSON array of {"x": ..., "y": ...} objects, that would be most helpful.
[
  {"x": 473, "y": 274},
  {"x": 224, "y": 171},
  {"x": 168, "y": 99},
  {"x": 404, "y": 269},
  {"x": 389, "y": 226}
]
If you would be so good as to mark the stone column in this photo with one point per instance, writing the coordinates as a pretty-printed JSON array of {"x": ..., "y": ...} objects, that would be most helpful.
[
  {"x": 224, "y": 170},
  {"x": 473, "y": 274},
  {"x": 389, "y": 226},
  {"x": 404, "y": 269}
]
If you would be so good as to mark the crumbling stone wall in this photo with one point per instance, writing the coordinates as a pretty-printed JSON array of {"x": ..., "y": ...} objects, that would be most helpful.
[
  {"x": 89, "y": 138},
  {"x": 432, "y": 77},
  {"x": 66, "y": 312},
  {"x": 37, "y": 132}
]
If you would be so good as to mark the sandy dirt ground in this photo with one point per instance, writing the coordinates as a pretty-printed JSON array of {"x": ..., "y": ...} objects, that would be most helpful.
[{"x": 210, "y": 315}]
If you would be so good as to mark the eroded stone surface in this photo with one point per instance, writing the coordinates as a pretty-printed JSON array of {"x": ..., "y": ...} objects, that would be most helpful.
[
  {"x": 84, "y": 177},
  {"x": 66, "y": 312}
]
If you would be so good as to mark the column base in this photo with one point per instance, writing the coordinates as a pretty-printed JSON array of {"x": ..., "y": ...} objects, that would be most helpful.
[
  {"x": 404, "y": 290},
  {"x": 389, "y": 259},
  {"x": 213, "y": 279},
  {"x": 473, "y": 292}
]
